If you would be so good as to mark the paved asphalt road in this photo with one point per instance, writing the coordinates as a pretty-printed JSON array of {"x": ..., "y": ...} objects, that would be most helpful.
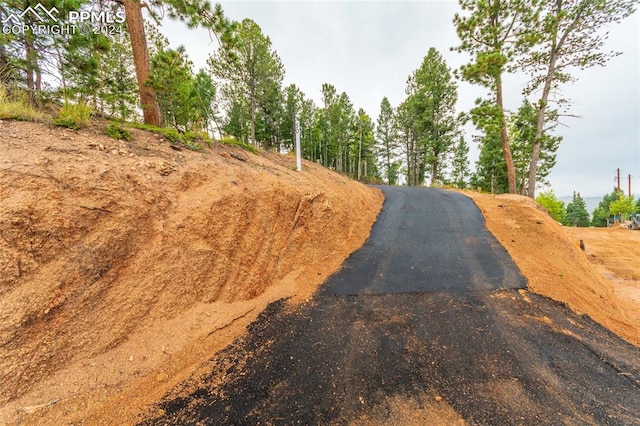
[{"x": 431, "y": 312}]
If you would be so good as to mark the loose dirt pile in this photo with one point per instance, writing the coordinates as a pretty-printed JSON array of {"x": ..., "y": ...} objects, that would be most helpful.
[
  {"x": 125, "y": 264},
  {"x": 615, "y": 252},
  {"x": 549, "y": 256}
]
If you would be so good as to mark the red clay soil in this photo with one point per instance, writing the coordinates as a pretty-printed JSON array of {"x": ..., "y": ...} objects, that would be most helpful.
[
  {"x": 550, "y": 257},
  {"x": 123, "y": 265},
  {"x": 126, "y": 265}
]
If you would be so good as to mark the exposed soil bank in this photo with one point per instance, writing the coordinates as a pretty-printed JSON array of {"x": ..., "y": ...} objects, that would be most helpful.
[
  {"x": 549, "y": 255},
  {"x": 125, "y": 264}
]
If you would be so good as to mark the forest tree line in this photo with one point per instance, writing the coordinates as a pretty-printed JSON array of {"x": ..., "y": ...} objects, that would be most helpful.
[{"x": 134, "y": 75}]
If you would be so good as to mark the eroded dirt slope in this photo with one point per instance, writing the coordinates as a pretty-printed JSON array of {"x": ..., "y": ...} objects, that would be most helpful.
[
  {"x": 615, "y": 252},
  {"x": 122, "y": 263},
  {"x": 550, "y": 257}
]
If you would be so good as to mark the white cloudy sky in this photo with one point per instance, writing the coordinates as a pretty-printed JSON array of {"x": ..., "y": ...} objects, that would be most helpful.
[{"x": 368, "y": 49}]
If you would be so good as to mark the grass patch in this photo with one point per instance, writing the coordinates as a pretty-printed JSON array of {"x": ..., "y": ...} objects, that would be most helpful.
[
  {"x": 117, "y": 132},
  {"x": 230, "y": 140},
  {"x": 73, "y": 116},
  {"x": 192, "y": 141},
  {"x": 17, "y": 109}
]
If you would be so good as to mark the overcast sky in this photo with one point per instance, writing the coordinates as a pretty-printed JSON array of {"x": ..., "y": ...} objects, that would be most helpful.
[{"x": 368, "y": 49}]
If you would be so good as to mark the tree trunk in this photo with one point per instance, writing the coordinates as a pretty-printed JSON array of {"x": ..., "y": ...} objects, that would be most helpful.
[
  {"x": 388, "y": 161},
  {"x": 5, "y": 68},
  {"x": 253, "y": 120},
  {"x": 434, "y": 172},
  {"x": 135, "y": 23},
  {"x": 31, "y": 66},
  {"x": 537, "y": 142},
  {"x": 504, "y": 137},
  {"x": 360, "y": 154},
  {"x": 556, "y": 48}
]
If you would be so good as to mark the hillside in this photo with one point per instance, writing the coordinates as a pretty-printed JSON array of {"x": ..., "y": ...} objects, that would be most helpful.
[
  {"x": 549, "y": 256},
  {"x": 125, "y": 264}
]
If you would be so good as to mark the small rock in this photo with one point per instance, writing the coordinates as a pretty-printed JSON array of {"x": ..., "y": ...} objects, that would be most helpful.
[
  {"x": 101, "y": 147},
  {"x": 437, "y": 398},
  {"x": 131, "y": 358},
  {"x": 162, "y": 377}
]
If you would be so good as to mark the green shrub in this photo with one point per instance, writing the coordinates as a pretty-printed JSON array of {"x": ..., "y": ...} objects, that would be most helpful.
[
  {"x": 73, "y": 116},
  {"x": 17, "y": 109},
  {"x": 552, "y": 205},
  {"x": 230, "y": 140},
  {"x": 189, "y": 140},
  {"x": 117, "y": 132}
]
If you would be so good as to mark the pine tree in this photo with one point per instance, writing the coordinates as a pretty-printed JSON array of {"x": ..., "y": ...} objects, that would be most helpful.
[
  {"x": 293, "y": 100},
  {"x": 172, "y": 82},
  {"x": 431, "y": 106},
  {"x": 522, "y": 128},
  {"x": 364, "y": 157},
  {"x": 194, "y": 13},
  {"x": 205, "y": 108},
  {"x": 460, "y": 165},
  {"x": 577, "y": 214},
  {"x": 387, "y": 141},
  {"x": 491, "y": 169},
  {"x": 119, "y": 91},
  {"x": 563, "y": 35},
  {"x": 491, "y": 31},
  {"x": 249, "y": 69}
]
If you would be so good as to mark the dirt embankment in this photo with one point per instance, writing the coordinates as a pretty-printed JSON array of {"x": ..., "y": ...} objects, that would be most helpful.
[
  {"x": 125, "y": 264},
  {"x": 550, "y": 257}
]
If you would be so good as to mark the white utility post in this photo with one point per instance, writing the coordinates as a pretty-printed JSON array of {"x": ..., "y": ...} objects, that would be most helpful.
[{"x": 298, "y": 151}]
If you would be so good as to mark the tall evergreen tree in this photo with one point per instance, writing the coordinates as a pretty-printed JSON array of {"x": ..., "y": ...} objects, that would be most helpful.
[
  {"x": 363, "y": 152},
  {"x": 460, "y": 165},
  {"x": 119, "y": 91},
  {"x": 293, "y": 103},
  {"x": 577, "y": 214},
  {"x": 194, "y": 13},
  {"x": 172, "y": 81},
  {"x": 491, "y": 169},
  {"x": 387, "y": 138},
  {"x": 427, "y": 119},
  {"x": 564, "y": 35},
  {"x": 522, "y": 128},
  {"x": 432, "y": 97},
  {"x": 249, "y": 68},
  {"x": 491, "y": 31}
]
